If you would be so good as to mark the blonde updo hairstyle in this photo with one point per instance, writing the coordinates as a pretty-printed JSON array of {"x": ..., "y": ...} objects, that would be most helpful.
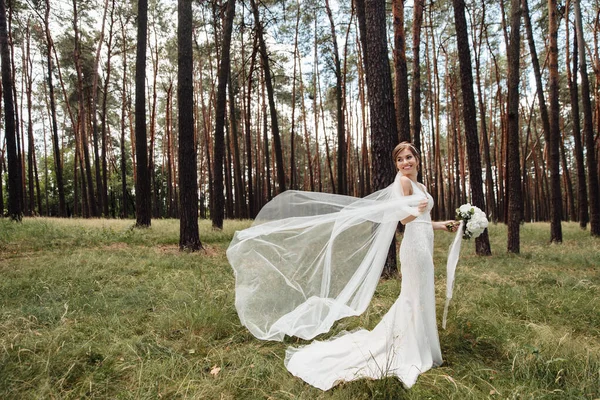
[{"x": 403, "y": 146}]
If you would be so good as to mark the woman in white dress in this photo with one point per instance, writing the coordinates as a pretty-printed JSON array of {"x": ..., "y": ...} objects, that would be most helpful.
[{"x": 300, "y": 268}]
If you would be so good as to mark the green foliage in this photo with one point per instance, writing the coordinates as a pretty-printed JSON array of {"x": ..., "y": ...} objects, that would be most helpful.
[{"x": 97, "y": 308}]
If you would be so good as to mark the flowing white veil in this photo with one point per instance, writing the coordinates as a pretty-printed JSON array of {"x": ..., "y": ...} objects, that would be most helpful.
[{"x": 310, "y": 259}]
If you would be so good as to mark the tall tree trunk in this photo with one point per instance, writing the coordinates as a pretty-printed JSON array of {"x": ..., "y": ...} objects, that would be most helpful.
[
  {"x": 229, "y": 211},
  {"x": 364, "y": 150},
  {"x": 154, "y": 184},
  {"x": 2, "y": 151},
  {"x": 92, "y": 209},
  {"x": 384, "y": 133},
  {"x": 554, "y": 133},
  {"x": 271, "y": 97},
  {"x": 218, "y": 208},
  {"x": 435, "y": 93},
  {"x": 36, "y": 177},
  {"x": 94, "y": 100},
  {"x": 237, "y": 162},
  {"x": 171, "y": 173},
  {"x": 124, "y": 100},
  {"x": 47, "y": 211},
  {"x": 28, "y": 79},
  {"x": 206, "y": 129},
  {"x": 401, "y": 73},
  {"x": 495, "y": 105},
  {"x": 189, "y": 238},
  {"x": 305, "y": 126},
  {"x": 482, "y": 243},
  {"x": 349, "y": 171},
  {"x": 588, "y": 129},
  {"x": 582, "y": 198},
  {"x": 321, "y": 114},
  {"x": 489, "y": 179},
  {"x": 339, "y": 100},
  {"x": 19, "y": 140},
  {"x": 569, "y": 205},
  {"x": 267, "y": 192},
  {"x": 58, "y": 167},
  {"x": 316, "y": 89},
  {"x": 15, "y": 211},
  {"x": 415, "y": 117},
  {"x": 536, "y": 70},
  {"x": 104, "y": 142},
  {"x": 515, "y": 202},
  {"x": 293, "y": 169},
  {"x": 248, "y": 136},
  {"x": 142, "y": 183}
]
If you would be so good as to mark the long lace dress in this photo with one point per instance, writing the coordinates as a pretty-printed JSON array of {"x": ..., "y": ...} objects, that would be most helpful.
[{"x": 404, "y": 344}]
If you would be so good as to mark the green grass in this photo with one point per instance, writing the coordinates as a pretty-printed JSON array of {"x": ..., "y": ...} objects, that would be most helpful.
[{"x": 98, "y": 309}]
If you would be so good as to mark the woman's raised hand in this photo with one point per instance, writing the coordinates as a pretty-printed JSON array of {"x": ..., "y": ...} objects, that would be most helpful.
[{"x": 422, "y": 206}]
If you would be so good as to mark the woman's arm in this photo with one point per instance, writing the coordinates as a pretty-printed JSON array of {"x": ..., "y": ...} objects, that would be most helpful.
[
  {"x": 422, "y": 207},
  {"x": 407, "y": 191},
  {"x": 448, "y": 226}
]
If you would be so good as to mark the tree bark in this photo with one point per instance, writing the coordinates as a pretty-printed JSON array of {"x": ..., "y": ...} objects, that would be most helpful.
[
  {"x": 482, "y": 243},
  {"x": 189, "y": 238},
  {"x": 582, "y": 198},
  {"x": 58, "y": 168},
  {"x": 339, "y": 100},
  {"x": 588, "y": 129},
  {"x": 554, "y": 133},
  {"x": 171, "y": 171},
  {"x": 92, "y": 209},
  {"x": 15, "y": 211},
  {"x": 218, "y": 208},
  {"x": 142, "y": 183},
  {"x": 124, "y": 100},
  {"x": 27, "y": 71},
  {"x": 515, "y": 202},
  {"x": 104, "y": 135},
  {"x": 2, "y": 162},
  {"x": 154, "y": 186},
  {"x": 415, "y": 117},
  {"x": 305, "y": 127},
  {"x": 237, "y": 162},
  {"x": 271, "y": 97},
  {"x": 317, "y": 105},
  {"x": 489, "y": 179},
  {"x": 293, "y": 183},
  {"x": 100, "y": 189},
  {"x": 401, "y": 73},
  {"x": 17, "y": 120},
  {"x": 569, "y": 208},
  {"x": 384, "y": 133},
  {"x": 248, "y": 134}
]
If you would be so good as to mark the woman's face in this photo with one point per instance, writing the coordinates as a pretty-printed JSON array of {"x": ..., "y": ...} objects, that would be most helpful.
[{"x": 407, "y": 163}]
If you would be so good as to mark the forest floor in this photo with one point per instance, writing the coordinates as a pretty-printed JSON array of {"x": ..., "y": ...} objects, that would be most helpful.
[{"x": 99, "y": 309}]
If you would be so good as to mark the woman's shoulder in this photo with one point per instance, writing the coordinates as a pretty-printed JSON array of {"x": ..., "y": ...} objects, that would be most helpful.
[{"x": 406, "y": 184}]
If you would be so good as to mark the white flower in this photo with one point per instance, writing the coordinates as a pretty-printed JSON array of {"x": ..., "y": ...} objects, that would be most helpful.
[
  {"x": 472, "y": 226},
  {"x": 475, "y": 220},
  {"x": 465, "y": 209}
]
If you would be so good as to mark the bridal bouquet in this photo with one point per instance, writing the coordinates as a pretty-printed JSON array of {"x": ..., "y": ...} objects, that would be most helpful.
[{"x": 474, "y": 220}]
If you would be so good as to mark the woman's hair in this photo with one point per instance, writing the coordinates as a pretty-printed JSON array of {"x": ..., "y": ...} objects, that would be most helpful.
[{"x": 403, "y": 146}]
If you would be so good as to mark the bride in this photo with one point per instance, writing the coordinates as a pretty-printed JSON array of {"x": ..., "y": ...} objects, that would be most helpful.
[{"x": 310, "y": 259}]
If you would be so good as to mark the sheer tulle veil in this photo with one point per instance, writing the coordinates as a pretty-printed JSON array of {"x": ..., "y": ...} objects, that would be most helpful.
[{"x": 310, "y": 259}]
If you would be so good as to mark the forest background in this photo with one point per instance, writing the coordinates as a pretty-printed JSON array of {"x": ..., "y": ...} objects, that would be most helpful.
[
  {"x": 234, "y": 102},
  {"x": 311, "y": 95}
]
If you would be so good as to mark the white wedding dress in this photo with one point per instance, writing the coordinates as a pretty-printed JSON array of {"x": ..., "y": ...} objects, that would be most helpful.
[
  {"x": 403, "y": 344},
  {"x": 312, "y": 258}
]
